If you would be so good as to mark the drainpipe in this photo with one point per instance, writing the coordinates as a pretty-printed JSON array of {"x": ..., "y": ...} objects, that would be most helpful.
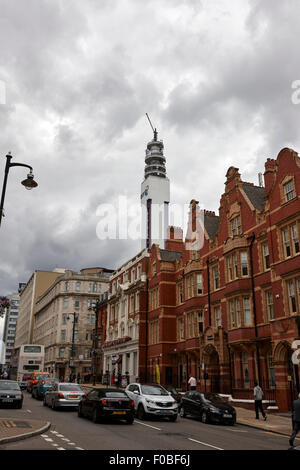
[
  {"x": 254, "y": 307},
  {"x": 230, "y": 370},
  {"x": 146, "y": 339}
]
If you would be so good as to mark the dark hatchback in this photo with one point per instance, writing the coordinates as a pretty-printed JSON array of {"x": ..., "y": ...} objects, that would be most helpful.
[
  {"x": 100, "y": 404},
  {"x": 10, "y": 393},
  {"x": 210, "y": 407}
]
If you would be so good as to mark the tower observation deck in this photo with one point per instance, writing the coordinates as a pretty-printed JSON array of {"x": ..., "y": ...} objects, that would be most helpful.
[{"x": 155, "y": 160}]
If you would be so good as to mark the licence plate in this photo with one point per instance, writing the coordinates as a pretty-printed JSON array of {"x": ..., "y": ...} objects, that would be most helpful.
[
  {"x": 8, "y": 400},
  {"x": 119, "y": 413},
  {"x": 227, "y": 416},
  {"x": 73, "y": 396}
]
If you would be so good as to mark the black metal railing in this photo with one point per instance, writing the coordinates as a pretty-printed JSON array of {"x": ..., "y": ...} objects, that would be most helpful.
[{"x": 244, "y": 389}]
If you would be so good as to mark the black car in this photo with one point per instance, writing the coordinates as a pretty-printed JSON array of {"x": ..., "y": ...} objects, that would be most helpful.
[
  {"x": 210, "y": 407},
  {"x": 10, "y": 393},
  {"x": 174, "y": 393},
  {"x": 110, "y": 403}
]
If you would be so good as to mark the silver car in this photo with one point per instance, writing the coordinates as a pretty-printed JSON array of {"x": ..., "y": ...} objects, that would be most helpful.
[
  {"x": 63, "y": 394},
  {"x": 152, "y": 400},
  {"x": 10, "y": 393}
]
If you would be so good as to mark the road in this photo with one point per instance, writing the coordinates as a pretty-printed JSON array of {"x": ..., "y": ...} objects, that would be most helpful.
[{"x": 68, "y": 431}]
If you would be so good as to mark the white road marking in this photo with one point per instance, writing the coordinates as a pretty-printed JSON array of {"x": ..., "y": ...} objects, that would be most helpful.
[
  {"x": 65, "y": 439},
  {"x": 79, "y": 448},
  {"x": 48, "y": 439},
  {"x": 205, "y": 444},
  {"x": 29, "y": 411},
  {"x": 44, "y": 435},
  {"x": 54, "y": 432},
  {"x": 60, "y": 448},
  {"x": 71, "y": 444},
  {"x": 60, "y": 435},
  {"x": 148, "y": 425}
]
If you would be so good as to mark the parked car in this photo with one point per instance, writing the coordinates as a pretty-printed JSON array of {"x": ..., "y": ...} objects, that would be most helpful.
[
  {"x": 10, "y": 393},
  {"x": 40, "y": 388},
  {"x": 152, "y": 400},
  {"x": 63, "y": 394},
  {"x": 175, "y": 394},
  {"x": 114, "y": 404},
  {"x": 210, "y": 407},
  {"x": 35, "y": 377}
]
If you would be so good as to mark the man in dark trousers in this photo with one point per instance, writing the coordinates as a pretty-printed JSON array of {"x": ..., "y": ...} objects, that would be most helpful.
[
  {"x": 296, "y": 420},
  {"x": 258, "y": 394}
]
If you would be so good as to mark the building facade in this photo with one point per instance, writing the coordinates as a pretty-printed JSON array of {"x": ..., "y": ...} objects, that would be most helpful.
[
  {"x": 36, "y": 285},
  {"x": 64, "y": 321},
  {"x": 228, "y": 310},
  {"x": 10, "y": 325},
  {"x": 124, "y": 347}
]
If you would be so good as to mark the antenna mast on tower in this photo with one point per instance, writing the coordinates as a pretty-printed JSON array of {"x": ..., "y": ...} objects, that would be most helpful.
[{"x": 154, "y": 130}]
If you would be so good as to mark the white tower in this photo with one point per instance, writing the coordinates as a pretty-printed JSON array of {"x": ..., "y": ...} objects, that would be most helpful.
[{"x": 155, "y": 195}]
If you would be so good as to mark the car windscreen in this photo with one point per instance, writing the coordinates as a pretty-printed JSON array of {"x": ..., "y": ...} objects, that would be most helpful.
[
  {"x": 70, "y": 388},
  {"x": 8, "y": 385},
  {"x": 48, "y": 381},
  {"x": 116, "y": 395},
  {"x": 212, "y": 398},
  {"x": 153, "y": 390}
]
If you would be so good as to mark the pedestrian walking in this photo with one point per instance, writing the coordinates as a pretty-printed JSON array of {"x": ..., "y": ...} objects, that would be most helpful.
[
  {"x": 192, "y": 383},
  {"x": 258, "y": 395},
  {"x": 296, "y": 421}
]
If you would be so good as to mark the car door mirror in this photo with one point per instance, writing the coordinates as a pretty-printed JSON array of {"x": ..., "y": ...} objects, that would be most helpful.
[{"x": 136, "y": 392}]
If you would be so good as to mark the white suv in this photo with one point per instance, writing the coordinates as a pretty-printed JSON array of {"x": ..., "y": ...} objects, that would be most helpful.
[{"x": 152, "y": 400}]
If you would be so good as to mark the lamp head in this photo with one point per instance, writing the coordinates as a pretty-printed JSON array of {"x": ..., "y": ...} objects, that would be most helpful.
[{"x": 29, "y": 183}]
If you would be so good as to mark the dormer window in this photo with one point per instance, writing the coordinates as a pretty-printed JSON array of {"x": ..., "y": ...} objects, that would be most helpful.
[
  {"x": 236, "y": 226},
  {"x": 289, "y": 190}
]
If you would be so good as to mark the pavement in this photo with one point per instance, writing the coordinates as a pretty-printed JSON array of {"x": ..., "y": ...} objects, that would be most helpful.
[{"x": 13, "y": 429}]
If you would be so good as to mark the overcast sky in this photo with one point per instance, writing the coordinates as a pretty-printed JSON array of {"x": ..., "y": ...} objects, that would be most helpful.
[{"x": 214, "y": 76}]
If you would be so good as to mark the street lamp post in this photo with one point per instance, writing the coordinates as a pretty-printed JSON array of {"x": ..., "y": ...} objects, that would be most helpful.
[
  {"x": 72, "y": 349},
  {"x": 95, "y": 307},
  {"x": 29, "y": 182}
]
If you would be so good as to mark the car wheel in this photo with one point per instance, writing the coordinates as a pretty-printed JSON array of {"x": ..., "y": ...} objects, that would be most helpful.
[
  {"x": 204, "y": 417},
  {"x": 19, "y": 405},
  {"x": 173, "y": 418},
  {"x": 53, "y": 405},
  {"x": 182, "y": 412},
  {"x": 79, "y": 412},
  {"x": 44, "y": 402},
  {"x": 95, "y": 416},
  {"x": 141, "y": 412},
  {"x": 130, "y": 420}
]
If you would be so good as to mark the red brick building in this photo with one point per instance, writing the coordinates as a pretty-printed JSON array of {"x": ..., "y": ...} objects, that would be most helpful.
[{"x": 228, "y": 311}]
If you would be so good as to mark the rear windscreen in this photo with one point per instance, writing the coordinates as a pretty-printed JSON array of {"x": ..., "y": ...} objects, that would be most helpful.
[
  {"x": 116, "y": 395},
  {"x": 70, "y": 388}
]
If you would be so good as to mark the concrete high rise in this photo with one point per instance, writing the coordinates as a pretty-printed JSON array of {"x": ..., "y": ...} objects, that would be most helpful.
[{"x": 155, "y": 196}]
